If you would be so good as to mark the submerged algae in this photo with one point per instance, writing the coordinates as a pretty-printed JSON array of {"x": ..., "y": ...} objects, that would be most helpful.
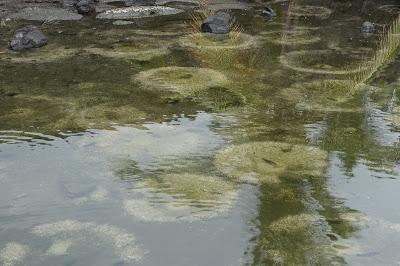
[
  {"x": 327, "y": 62},
  {"x": 310, "y": 11},
  {"x": 299, "y": 239},
  {"x": 271, "y": 161},
  {"x": 325, "y": 95},
  {"x": 49, "y": 53},
  {"x": 192, "y": 187},
  {"x": 289, "y": 37},
  {"x": 13, "y": 253},
  {"x": 186, "y": 81}
]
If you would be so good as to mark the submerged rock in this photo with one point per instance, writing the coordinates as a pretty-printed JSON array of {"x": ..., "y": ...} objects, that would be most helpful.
[
  {"x": 268, "y": 12},
  {"x": 27, "y": 38},
  {"x": 45, "y": 14},
  {"x": 138, "y": 12},
  {"x": 140, "y": 2},
  {"x": 123, "y": 22},
  {"x": 368, "y": 27},
  {"x": 218, "y": 23},
  {"x": 85, "y": 7}
]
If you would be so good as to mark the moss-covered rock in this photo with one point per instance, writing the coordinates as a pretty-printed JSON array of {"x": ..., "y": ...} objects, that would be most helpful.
[{"x": 271, "y": 161}]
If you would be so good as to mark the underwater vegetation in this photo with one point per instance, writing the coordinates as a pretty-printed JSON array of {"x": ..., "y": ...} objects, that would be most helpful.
[
  {"x": 186, "y": 81},
  {"x": 388, "y": 49},
  {"x": 323, "y": 95},
  {"x": 309, "y": 11},
  {"x": 270, "y": 162},
  {"x": 46, "y": 54},
  {"x": 326, "y": 62},
  {"x": 181, "y": 198},
  {"x": 290, "y": 37},
  {"x": 13, "y": 253},
  {"x": 67, "y": 237}
]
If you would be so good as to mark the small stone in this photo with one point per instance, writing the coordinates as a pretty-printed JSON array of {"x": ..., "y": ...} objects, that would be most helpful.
[
  {"x": 268, "y": 12},
  {"x": 85, "y": 7},
  {"x": 368, "y": 27},
  {"x": 27, "y": 38},
  {"x": 218, "y": 23}
]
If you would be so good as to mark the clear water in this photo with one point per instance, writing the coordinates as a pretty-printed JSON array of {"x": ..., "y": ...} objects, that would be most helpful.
[{"x": 240, "y": 155}]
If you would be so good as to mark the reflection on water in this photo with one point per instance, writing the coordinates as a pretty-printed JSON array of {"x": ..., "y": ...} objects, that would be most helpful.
[{"x": 155, "y": 145}]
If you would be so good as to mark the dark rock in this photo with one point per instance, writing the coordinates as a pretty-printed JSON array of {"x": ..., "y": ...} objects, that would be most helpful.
[
  {"x": 85, "y": 7},
  {"x": 368, "y": 27},
  {"x": 140, "y": 2},
  {"x": 27, "y": 38},
  {"x": 268, "y": 12},
  {"x": 218, "y": 23}
]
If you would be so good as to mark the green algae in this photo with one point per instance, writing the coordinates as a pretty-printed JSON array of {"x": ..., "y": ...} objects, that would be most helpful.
[
  {"x": 310, "y": 11},
  {"x": 291, "y": 237},
  {"x": 325, "y": 95},
  {"x": 192, "y": 186},
  {"x": 186, "y": 81},
  {"x": 129, "y": 53},
  {"x": 271, "y": 161},
  {"x": 327, "y": 62},
  {"x": 49, "y": 53},
  {"x": 289, "y": 37}
]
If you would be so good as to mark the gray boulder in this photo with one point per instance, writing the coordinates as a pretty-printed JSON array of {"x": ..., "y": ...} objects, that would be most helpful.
[
  {"x": 27, "y": 38},
  {"x": 85, "y": 7},
  {"x": 218, "y": 23},
  {"x": 368, "y": 27}
]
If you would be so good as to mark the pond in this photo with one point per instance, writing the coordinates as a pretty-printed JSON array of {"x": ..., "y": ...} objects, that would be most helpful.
[{"x": 155, "y": 144}]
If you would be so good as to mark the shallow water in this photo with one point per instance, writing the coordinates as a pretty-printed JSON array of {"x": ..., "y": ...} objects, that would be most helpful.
[{"x": 148, "y": 145}]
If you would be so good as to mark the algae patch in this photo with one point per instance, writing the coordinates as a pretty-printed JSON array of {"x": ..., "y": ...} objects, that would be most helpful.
[
  {"x": 270, "y": 161},
  {"x": 328, "y": 62},
  {"x": 324, "y": 95},
  {"x": 182, "y": 197},
  {"x": 182, "y": 80},
  {"x": 13, "y": 253}
]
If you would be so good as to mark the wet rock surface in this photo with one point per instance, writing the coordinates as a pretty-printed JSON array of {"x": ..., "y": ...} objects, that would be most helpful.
[
  {"x": 140, "y": 2},
  {"x": 218, "y": 23},
  {"x": 138, "y": 12},
  {"x": 27, "y": 38},
  {"x": 45, "y": 14}
]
